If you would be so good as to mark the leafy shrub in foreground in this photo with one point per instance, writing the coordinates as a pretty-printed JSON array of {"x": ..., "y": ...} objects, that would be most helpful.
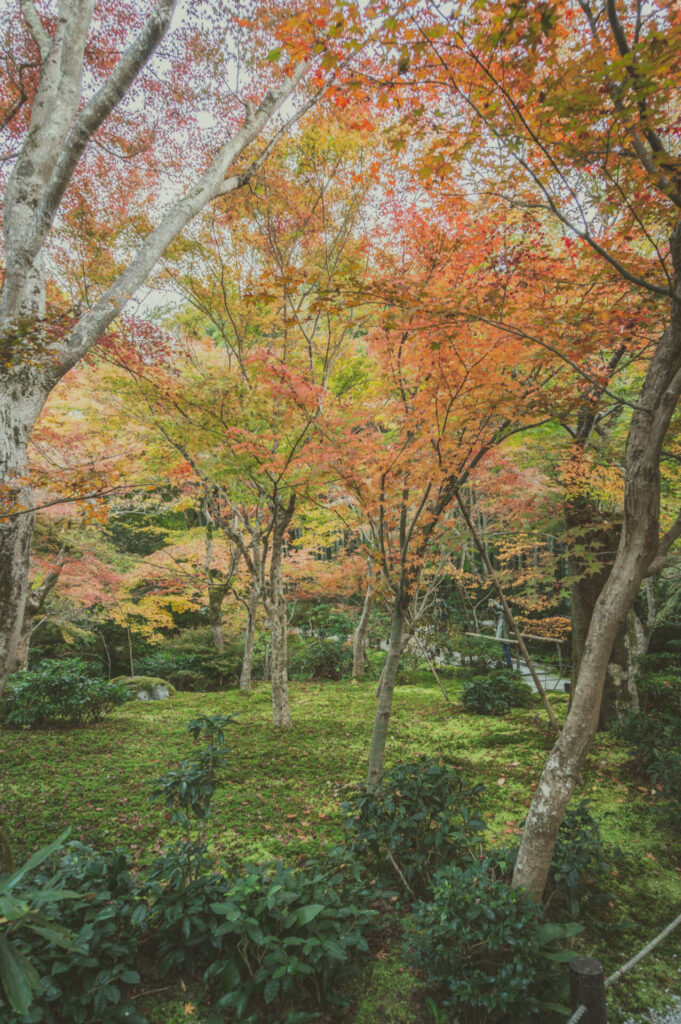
[
  {"x": 287, "y": 938},
  {"x": 59, "y": 692},
  {"x": 495, "y": 694},
  {"x": 88, "y": 979},
  {"x": 422, "y": 816},
  {"x": 480, "y": 947}
]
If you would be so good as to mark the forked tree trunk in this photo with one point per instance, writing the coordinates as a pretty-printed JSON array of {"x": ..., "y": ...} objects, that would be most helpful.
[
  {"x": 35, "y": 602},
  {"x": 641, "y": 551},
  {"x": 385, "y": 698},
  {"x": 246, "y": 677},
  {"x": 278, "y": 623},
  {"x": 361, "y": 635}
]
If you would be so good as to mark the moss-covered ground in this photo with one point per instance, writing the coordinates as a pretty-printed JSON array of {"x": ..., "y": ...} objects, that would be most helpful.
[{"x": 282, "y": 799}]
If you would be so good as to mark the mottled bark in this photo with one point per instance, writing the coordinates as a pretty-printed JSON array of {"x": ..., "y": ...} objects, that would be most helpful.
[
  {"x": 35, "y": 602},
  {"x": 246, "y": 676},
  {"x": 216, "y": 597},
  {"x": 640, "y": 550},
  {"x": 361, "y": 634},
  {"x": 379, "y": 734}
]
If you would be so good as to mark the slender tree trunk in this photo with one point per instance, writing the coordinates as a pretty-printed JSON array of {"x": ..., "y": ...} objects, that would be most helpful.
[
  {"x": 245, "y": 679},
  {"x": 361, "y": 635},
  {"x": 278, "y": 623},
  {"x": 216, "y": 596},
  {"x": 21, "y": 400},
  {"x": 619, "y": 691},
  {"x": 385, "y": 699},
  {"x": 641, "y": 551}
]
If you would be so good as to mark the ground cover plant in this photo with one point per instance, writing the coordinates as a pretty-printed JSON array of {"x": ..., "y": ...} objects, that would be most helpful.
[{"x": 280, "y": 800}]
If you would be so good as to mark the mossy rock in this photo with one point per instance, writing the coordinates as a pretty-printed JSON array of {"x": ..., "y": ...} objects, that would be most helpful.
[{"x": 147, "y": 687}]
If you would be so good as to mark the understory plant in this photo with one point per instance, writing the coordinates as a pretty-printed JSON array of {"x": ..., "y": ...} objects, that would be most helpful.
[
  {"x": 495, "y": 694},
  {"x": 423, "y": 815},
  {"x": 59, "y": 692},
  {"x": 482, "y": 951}
]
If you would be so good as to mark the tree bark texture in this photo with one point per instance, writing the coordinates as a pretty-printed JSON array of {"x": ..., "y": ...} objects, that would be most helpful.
[
  {"x": 246, "y": 676},
  {"x": 638, "y": 552},
  {"x": 379, "y": 734},
  {"x": 361, "y": 635}
]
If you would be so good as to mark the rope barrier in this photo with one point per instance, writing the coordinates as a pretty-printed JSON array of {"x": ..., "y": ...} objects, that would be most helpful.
[{"x": 581, "y": 1010}]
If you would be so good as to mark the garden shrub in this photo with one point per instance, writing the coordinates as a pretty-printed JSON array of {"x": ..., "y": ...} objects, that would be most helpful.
[
  {"x": 191, "y": 662},
  {"x": 330, "y": 621},
  {"x": 90, "y": 977},
  {"x": 288, "y": 937},
  {"x": 422, "y": 816},
  {"x": 482, "y": 950},
  {"x": 495, "y": 694},
  {"x": 320, "y": 658},
  {"x": 57, "y": 692},
  {"x": 660, "y": 692}
]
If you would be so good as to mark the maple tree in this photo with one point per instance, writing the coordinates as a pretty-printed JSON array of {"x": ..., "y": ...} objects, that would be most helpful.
[
  {"x": 73, "y": 117},
  {"x": 577, "y": 104}
]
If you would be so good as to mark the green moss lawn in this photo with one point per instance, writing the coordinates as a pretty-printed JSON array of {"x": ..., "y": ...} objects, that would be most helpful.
[{"x": 282, "y": 799}]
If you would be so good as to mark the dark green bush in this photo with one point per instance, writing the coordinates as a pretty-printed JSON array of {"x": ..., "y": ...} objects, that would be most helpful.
[
  {"x": 326, "y": 619},
  {"x": 481, "y": 949},
  {"x": 320, "y": 658},
  {"x": 660, "y": 692},
  {"x": 56, "y": 692},
  {"x": 181, "y": 927},
  {"x": 287, "y": 936},
  {"x": 91, "y": 979},
  {"x": 191, "y": 662},
  {"x": 423, "y": 815},
  {"x": 495, "y": 694}
]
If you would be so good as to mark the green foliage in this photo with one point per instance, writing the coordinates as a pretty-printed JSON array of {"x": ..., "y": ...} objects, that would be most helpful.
[
  {"x": 288, "y": 936},
  {"x": 56, "y": 692},
  {"x": 495, "y": 694},
  {"x": 22, "y": 906},
  {"x": 181, "y": 925},
  {"x": 423, "y": 815},
  {"x": 189, "y": 788},
  {"x": 326, "y": 619},
  {"x": 660, "y": 692},
  {"x": 655, "y": 741},
  {"x": 86, "y": 976},
  {"x": 191, "y": 662},
  {"x": 482, "y": 950},
  {"x": 320, "y": 658}
]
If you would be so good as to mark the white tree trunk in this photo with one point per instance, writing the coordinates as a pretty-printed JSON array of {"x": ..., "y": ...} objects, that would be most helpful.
[
  {"x": 246, "y": 677},
  {"x": 361, "y": 635},
  {"x": 379, "y": 734}
]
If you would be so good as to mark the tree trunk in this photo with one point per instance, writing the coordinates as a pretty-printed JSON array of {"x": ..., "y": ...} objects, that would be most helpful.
[
  {"x": 385, "y": 699},
  {"x": 245, "y": 678},
  {"x": 216, "y": 596},
  {"x": 619, "y": 690},
  {"x": 361, "y": 635},
  {"x": 281, "y": 709},
  {"x": 21, "y": 400},
  {"x": 278, "y": 623},
  {"x": 641, "y": 551}
]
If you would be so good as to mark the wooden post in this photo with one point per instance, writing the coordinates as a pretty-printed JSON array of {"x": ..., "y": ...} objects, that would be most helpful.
[{"x": 587, "y": 988}]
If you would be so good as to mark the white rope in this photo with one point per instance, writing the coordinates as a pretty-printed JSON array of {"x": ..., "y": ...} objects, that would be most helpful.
[
  {"x": 639, "y": 956},
  {"x": 581, "y": 1010}
]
